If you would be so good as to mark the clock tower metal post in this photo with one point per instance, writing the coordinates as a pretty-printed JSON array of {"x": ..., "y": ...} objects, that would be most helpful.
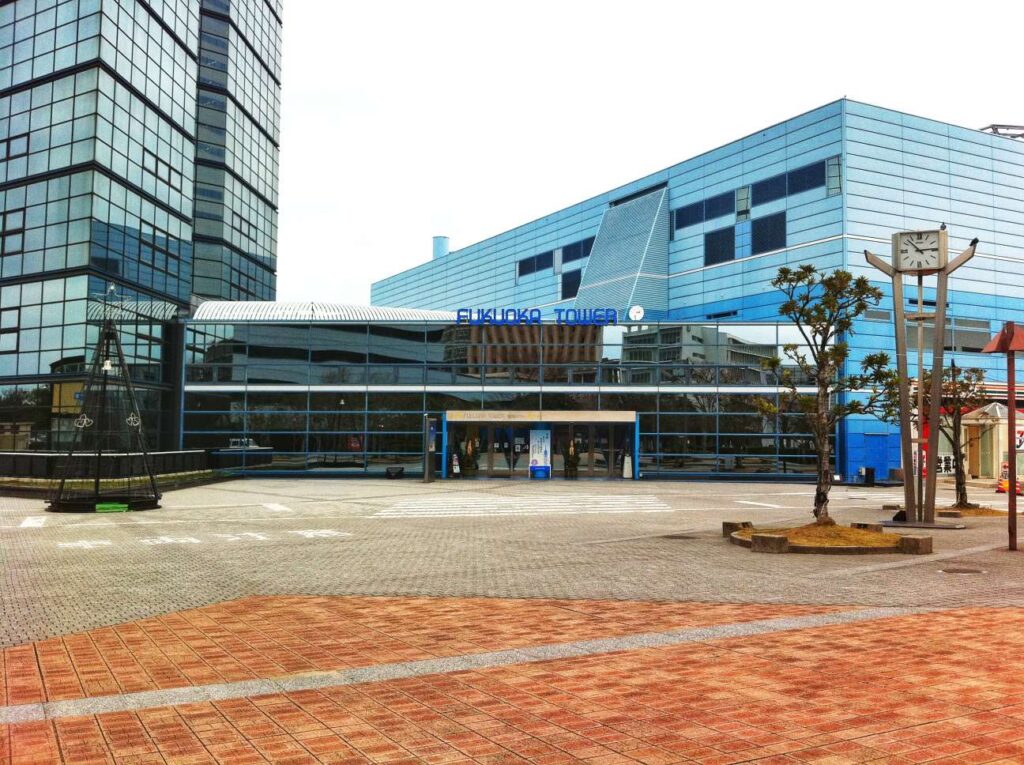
[{"x": 919, "y": 499}]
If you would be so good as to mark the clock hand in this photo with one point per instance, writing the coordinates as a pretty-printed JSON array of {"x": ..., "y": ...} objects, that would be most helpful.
[{"x": 911, "y": 243}]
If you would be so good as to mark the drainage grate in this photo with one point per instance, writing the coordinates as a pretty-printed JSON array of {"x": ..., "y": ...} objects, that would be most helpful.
[{"x": 961, "y": 571}]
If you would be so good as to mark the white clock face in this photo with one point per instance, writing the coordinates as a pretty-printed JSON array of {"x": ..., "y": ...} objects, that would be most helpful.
[
  {"x": 919, "y": 250},
  {"x": 636, "y": 313}
]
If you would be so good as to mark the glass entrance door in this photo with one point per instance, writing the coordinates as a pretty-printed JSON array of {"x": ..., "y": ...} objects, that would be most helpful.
[
  {"x": 520, "y": 455},
  {"x": 509, "y": 452},
  {"x": 604, "y": 451}
]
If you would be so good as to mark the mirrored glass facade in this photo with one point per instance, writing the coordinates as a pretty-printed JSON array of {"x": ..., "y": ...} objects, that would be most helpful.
[
  {"x": 237, "y": 149},
  {"x": 99, "y": 134},
  {"x": 352, "y": 396}
]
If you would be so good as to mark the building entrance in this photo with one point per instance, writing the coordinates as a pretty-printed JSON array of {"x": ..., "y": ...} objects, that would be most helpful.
[{"x": 489, "y": 445}]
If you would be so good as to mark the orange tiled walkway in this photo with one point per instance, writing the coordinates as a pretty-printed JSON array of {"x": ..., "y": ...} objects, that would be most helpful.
[
  {"x": 263, "y": 637},
  {"x": 942, "y": 687}
]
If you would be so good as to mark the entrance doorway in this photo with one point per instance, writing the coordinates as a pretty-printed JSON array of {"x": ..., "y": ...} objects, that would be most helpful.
[
  {"x": 601, "y": 448},
  {"x": 509, "y": 452},
  {"x": 502, "y": 449}
]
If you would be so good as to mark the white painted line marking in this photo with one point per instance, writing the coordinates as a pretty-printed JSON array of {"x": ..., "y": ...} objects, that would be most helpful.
[
  {"x": 277, "y": 508},
  {"x": 759, "y": 504},
  {"x": 86, "y": 544},
  {"x": 504, "y": 513},
  {"x": 35, "y": 522},
  {"x": 318, "y": 533},
  {"x": 480, "y": 506},
  {"x": 170, "y": 541}
]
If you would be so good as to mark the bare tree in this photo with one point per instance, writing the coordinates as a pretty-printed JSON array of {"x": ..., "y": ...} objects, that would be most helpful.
[{"x": 963, "y": 391}]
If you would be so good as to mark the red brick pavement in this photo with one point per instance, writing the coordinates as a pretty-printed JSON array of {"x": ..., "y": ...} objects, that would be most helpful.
[
  {"x": 265, "y": 637},
  {"x": 943, "y": 688}
]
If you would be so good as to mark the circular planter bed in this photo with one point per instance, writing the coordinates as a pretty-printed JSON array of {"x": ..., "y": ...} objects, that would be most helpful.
[
  {"x": 981, "y": 512},
  {"x": 826, "y": 540}
]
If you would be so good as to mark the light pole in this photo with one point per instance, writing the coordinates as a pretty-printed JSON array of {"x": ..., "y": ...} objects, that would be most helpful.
[{"x": 1010, "y": 340}]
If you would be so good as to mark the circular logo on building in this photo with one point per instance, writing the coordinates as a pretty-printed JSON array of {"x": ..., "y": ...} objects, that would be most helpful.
[{"x": 636, "y": 313}]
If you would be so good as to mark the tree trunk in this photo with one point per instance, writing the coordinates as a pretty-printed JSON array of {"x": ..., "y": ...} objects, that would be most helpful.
[
  {"x": 821, "y": 434},
  {"x": 824, "y": 484},
  {"x": 958, "y": 463}
]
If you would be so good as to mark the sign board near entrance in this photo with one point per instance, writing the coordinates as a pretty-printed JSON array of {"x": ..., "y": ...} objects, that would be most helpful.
[
  {"x": 540, "y": 453},
  {"x": 572, "y": 317}
]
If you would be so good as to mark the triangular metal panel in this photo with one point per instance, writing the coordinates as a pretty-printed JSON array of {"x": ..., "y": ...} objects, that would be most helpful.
[{"x": 628, "y": 264}]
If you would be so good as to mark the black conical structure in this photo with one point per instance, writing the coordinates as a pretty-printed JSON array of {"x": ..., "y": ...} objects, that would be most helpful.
[{"x": 107, "y": 466}]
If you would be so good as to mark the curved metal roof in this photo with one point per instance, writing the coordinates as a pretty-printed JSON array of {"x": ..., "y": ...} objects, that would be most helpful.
[
  {"x": 130, "y": 310},
  {"x": 255, "y": 310}
]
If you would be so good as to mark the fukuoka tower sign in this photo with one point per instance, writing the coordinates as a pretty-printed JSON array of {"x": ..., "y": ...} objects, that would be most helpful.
[{"x": 573, "y": 317}]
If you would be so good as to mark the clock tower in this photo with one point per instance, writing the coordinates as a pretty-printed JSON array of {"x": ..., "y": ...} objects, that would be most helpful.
[{"x": 920, "y": 254}]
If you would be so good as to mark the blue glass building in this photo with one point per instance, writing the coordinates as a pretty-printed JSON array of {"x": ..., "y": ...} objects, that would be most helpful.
[{"x": 701, "y": 240}]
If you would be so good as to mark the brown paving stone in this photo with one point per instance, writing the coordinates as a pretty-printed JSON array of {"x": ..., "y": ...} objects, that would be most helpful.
[
  {"x": 940, "y": 687},
  {"x": 262, "y": 637}
]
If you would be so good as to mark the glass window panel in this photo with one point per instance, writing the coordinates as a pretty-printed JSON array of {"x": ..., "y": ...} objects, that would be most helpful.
[
  {"x": 277, "y": 401},
  {"x": 394, "y": 402},
  {"x": 687, "y": 423},
  {"x": 806, "y": 178},
  {"x": 394, "y": 421},
  {"x": 337, "y": 401},
  {"x": 717, "y": 206},
  {"x": 769, "y": 189},
  {"x": 571, "y": 283},
  {"x": 768, "y": 233},
  {"x": 338, "y": 422},
  {"x": 689, "y": 215},
  {"x": 834, "y": 173},
  {"x": 720, "y": 246},
  {"x": 214, "y": 401},
  {"x": 694, "y": 443},
  {"x": 743, "y": 203}
]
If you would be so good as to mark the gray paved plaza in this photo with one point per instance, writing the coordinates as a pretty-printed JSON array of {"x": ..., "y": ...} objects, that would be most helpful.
[{"x": 637, "y": 540}]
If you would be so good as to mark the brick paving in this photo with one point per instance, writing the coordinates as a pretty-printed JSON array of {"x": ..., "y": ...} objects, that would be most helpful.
[
  {"x": 203, "y": 592},
  {"x": 940, "y": 687},
  {"x": 267, "y": 637},
  {"x": 68, "y": 573}
]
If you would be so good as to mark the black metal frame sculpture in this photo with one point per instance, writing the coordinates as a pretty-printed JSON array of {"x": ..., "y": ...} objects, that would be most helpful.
[{"x": 107, "y": 466}]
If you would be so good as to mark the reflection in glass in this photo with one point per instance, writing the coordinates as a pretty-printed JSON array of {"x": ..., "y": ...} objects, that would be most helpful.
[{"x": 690, "y": 422}]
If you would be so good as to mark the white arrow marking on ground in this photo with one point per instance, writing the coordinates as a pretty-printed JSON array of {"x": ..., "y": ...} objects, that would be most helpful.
[
  {"x": 35, "y": 522},
  {"x": 759, "y": 504},
  {"x": 275, "y": 507}
]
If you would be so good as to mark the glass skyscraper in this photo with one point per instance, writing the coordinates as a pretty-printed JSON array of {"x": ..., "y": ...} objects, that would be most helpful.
[
  {"x": 237, "y": 149},
  {"x": 138, "y": 149}
]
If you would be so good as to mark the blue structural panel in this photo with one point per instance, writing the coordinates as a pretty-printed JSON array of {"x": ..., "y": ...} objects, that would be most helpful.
[
  {"x": 332, "y": 390},
  {"x": 819, "y": 188}
]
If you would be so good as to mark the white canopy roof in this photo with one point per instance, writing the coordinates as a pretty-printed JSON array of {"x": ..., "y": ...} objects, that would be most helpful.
[
  {"x": 269, "y": 311},
  {"x": 990, "y": 412}
]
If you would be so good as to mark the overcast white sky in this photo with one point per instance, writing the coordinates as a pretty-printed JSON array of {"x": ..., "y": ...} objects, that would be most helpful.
[{"x": 402, "y": 120}]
